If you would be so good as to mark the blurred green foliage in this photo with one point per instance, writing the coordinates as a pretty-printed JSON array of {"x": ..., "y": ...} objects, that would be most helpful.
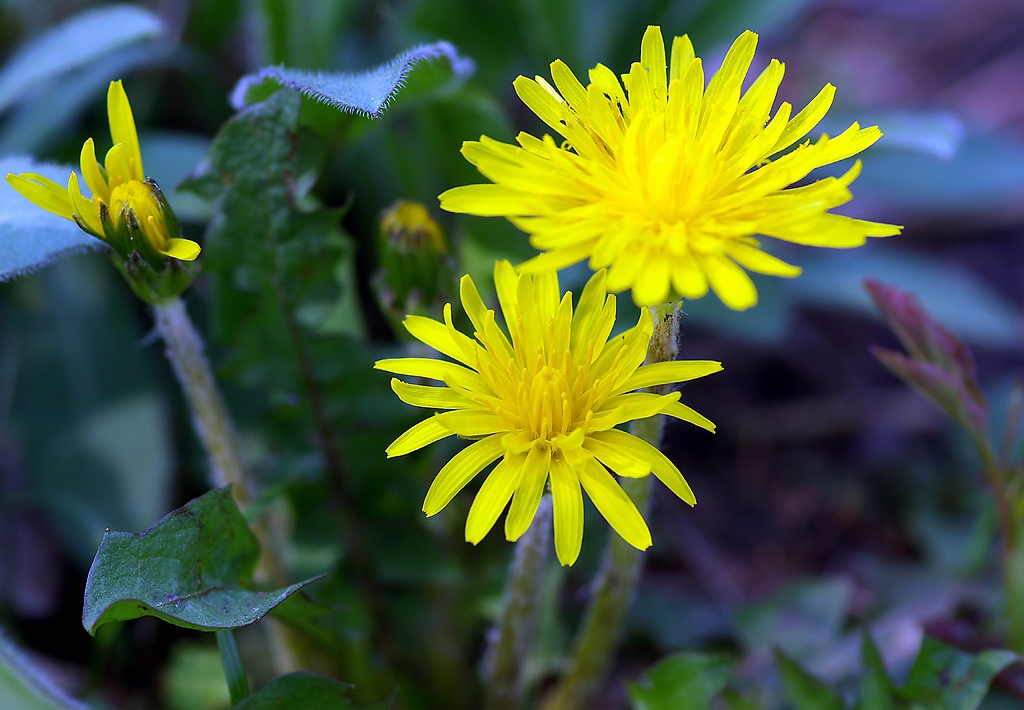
[{"x": 285, "y": 197}]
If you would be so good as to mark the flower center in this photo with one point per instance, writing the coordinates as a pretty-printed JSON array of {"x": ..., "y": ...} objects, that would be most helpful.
[
  {"x": 134, "y": 200},
  {"x": 546, "y": 404}
]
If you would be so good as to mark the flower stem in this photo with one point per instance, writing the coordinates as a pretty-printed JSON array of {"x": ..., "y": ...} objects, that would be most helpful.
[
  {"x": 620, "y": 570},
  {"x": 217, "y": 433},
  {"x": 209, "y": 415},
  {"x": 509, "y": 642},
  {"x": 238, "y": 684}
]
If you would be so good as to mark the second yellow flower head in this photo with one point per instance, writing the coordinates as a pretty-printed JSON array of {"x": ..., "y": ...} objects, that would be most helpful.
[{"x": 665, "y": 180}]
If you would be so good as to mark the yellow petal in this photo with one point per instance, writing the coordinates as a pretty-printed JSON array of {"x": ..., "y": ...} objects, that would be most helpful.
[
  {"x": 528, "y": 493},
  {"x": 437, "y": 336},
  {"x": 549, "y": 108},
  {"x": 91, "y": 172},
  {"x": 631, "y": 446},
  {"x": 86, "y": 210},
  {"x": 182, "y": 249},
  {"x": 730, "y": 282},
  {"x": 42, "y": 192},
  {"x": 117, "y": 165},
  {"x": 761, "y": 262},
  {"x": 687, "y": 414},
  {"x": 423, "y": 434},
  {"x": 419, "y": 367},
  {"x": 472, "y": 422},
  {"x": 808, "y": 117},
  {"x": 654, "y": 282},
  {"x": 624, "y": 463},
  {"x": 663, "y": 373},
  {"x": 455, "y": 474},
  {"x": 122, "y": 130},
  {"x": 506, "y": 283},
  {"x": 627, "y": 407},
  {"x": 682, "y": 55},
  {"x": 568, "y": 85},
  {"x": 493, "y": 496},
  {"x": 426, "y": 396},
  {"x": 616, "y": 507},
  {"x": 567, "y": 505},
  {"x": 652, "y": 59}
]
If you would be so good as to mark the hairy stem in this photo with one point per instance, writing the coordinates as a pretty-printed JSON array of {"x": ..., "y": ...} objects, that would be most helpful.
[
  {"x": 217, "y": 433},
  {"x": 209, "y": 415},
  {"x": 617, "y": 579},
  {"x": 509, "y": 642}
]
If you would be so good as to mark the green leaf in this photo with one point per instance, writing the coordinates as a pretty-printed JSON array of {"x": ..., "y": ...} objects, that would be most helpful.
[
  {"x": 947, "y": 678},
  {"x": 961, "y": 302},
  {"x": 298, "y": 690},
  {"x": 877, "y": 691},
  {"x": 76, "y": 43},
  {"x": 367, "y": 93},
  {"x": 804, "y": 690},
  {"x": 24, "y": 687},
  {"x": 191, "y": 569},
  {"x": 31, "y": 237},
  {"x": 986, "y": 172},
  {"x": 801, "y": 619},
  {"x": 686, "y": 681}
]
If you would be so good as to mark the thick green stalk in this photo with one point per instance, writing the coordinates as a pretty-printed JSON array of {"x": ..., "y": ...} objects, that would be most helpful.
[
  {"x": 509, "y": 643},
  {"x": 238, "y": 684},
  {"x": 620, "y": 570}
]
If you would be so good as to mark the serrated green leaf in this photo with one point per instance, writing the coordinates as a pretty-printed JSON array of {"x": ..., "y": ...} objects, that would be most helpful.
[
  {"x": 24, "y": 687},
  {"x": 75, "y": 43},
  {"x": 685, "y": 681},
  {"x": 367, "y": 93},
  {"x": 946, "y": 678},
  {"x": 804, "y": 690},
  {"x": 298, "y": 690},
  {"x": 191, "y": 569},
  {"x": 31, "y": 237}
]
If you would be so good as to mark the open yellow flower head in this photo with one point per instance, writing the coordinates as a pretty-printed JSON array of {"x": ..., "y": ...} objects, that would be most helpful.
[
  {"x": 127, "y": 209},
  {"x": 667, "y": 181},
  {"x": 546, "y": 402}
]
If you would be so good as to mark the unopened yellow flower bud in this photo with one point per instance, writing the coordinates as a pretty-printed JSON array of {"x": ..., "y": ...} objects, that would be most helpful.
[{"x": 413, "y": 253}]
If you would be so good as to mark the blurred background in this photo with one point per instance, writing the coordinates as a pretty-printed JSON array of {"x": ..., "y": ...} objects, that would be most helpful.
[{"x": 832, "y": 496}]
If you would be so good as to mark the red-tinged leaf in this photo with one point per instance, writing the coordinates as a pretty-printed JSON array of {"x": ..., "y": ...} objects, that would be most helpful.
[
  {"x": 920, "y": 334},
  {"x": 948, "y": 391}
]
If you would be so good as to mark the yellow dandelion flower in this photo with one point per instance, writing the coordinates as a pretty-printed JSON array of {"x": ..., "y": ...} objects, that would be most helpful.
[
  {"x": 124, "y": 203},
  {"x": 665, "y": 181},
  {"x": 546, "y": 402}
]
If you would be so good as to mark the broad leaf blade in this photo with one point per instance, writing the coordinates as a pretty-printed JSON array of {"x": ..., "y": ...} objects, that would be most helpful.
[
  {"x": 947, "y": 678},
  {"x": 877, "y": 691},
  {"x": 191, "y": 569},
  {"x": 22, "y": 686},
  {"x": 685, "y": 681},
  {"x": 804, "y": 690},
  {"x": 31, "y": 237},
  {"x": 367, "y": 93},
  {"x": 298, "y": 690},
  {"x": 76, "y": 43}
]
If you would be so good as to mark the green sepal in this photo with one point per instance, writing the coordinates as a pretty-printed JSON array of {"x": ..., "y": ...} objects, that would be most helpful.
[{"x": 156, "y": 286}]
